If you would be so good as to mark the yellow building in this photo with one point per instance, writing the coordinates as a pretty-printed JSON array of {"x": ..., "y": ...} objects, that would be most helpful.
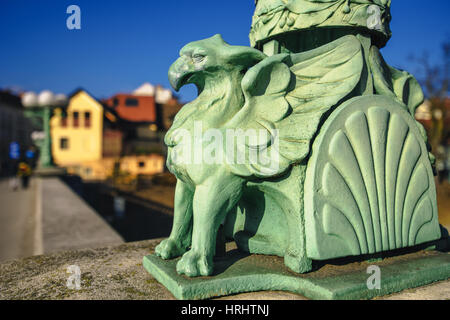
[
  {"x": 98, "y": 170},
  {"x": 82, "y": 144},
  {"x": 132, "y": 166},
  {"x": 143, "y": 165},
  {"x": 77, "y": 136}
]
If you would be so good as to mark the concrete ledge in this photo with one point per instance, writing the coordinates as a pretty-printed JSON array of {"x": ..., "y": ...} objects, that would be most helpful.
[
  {"x": 116, "y": 272},
  {"x": 109, "y": 273}
]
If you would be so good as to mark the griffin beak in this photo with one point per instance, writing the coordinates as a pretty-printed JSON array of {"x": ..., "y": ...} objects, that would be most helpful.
[{"x": 179, "y": 73}]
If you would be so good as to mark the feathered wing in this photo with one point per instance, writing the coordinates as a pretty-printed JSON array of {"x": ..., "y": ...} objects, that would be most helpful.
[
  {"x": 395, "y": 83},
  {"x": 286, "y": 97},
  {"x": 399, "y": 85}
]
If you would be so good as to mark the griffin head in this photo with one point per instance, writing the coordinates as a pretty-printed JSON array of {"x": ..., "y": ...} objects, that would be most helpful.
[{"x": 208, "y": 59}]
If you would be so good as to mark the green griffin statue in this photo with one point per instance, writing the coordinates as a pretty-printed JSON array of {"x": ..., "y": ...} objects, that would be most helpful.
[{"x": 314, "y": 152}]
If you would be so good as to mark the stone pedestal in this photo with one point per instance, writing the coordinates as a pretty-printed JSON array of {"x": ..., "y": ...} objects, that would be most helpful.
[{"x": 341, "y": 279}]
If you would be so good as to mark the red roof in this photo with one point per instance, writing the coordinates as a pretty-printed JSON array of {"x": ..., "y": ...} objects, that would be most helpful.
[{"x": 133, "y": 108}]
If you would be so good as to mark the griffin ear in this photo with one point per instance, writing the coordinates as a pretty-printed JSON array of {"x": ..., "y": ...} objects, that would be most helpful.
[
  {"x": 245, "y": 56},
  {"x": 238, "y": 55}
]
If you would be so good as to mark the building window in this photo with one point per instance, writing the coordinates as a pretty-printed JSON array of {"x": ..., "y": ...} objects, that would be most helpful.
[
  {"x": 64, "y": 122},
  {"x": 141, "y": 164},
  {"x": 76, "y": 119},
  {"x": 64, "y": 143},
  {"x": 87, "y": 119},
  {"x": 131, "y": 102}
]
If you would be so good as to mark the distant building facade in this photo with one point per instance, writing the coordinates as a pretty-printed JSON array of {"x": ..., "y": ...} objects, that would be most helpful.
[
  {"x": 14, "y": 127},
  {"x": 424, "y": 115},
  {"x": 436, "y": 122},
  {"x": 82, "y": 135},
  {"x": 143, "y": 165},
  {"x": 168, "y": 112},
  {"x": 133, "y": 166},
  {"x": 87, "y": 138},
  {"x": 130, "y": 107},
  {"x": 77, "y": 133},
  {"x": 146, "y": 114}
]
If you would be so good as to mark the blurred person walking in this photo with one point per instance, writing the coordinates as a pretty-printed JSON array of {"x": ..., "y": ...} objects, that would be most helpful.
[{"x": 24, "y": 173}]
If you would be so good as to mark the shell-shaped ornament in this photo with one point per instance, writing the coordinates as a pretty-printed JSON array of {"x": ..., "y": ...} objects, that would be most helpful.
[{"x": 370, "y": 186}]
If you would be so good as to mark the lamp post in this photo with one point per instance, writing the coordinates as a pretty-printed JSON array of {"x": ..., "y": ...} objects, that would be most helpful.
[{"x": 40, "y": 107}]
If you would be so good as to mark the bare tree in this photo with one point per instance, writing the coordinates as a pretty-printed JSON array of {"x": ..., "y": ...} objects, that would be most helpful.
[{"x": 435, "y": 80}]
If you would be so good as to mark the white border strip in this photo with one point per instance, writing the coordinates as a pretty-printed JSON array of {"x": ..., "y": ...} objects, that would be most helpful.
[{"x": 38, "y": 232}]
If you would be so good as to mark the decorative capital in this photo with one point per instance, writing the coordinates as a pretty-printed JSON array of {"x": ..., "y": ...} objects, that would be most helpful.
[{"x": 275, "y": 17}]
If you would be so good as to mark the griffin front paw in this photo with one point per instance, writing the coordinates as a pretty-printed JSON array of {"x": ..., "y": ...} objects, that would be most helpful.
[
  {"x": 194, "y": 264},
  {"x": 169, "y": 249}
]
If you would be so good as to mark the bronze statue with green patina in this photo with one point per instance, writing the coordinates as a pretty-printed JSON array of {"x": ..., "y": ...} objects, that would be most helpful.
[{"x": 346, "y": 168}]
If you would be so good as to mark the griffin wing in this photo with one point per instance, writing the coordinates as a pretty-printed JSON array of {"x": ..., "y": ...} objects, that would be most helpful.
[{"x": 286, "y": 96}]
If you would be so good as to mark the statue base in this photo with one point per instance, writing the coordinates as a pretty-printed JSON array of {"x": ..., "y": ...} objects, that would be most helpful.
[{"x": 340, "y": 279}]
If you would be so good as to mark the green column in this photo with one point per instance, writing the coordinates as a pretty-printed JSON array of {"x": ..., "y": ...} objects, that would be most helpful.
[
  {"x": 46, "y": 149},
  {"x": 40, "y": 116}
]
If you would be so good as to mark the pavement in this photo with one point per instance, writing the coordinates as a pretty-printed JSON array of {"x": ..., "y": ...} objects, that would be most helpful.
[
  {"x": 69, "y": 223},
  {"x": 46, "y": 218},
  {"x": 17, "y": 221}
]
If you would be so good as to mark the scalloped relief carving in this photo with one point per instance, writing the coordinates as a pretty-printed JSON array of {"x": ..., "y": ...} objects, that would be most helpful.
[{"x": 369, "y": 186}]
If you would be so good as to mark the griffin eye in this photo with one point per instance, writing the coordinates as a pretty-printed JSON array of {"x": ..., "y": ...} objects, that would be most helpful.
[{"x": 198, "y": 57}]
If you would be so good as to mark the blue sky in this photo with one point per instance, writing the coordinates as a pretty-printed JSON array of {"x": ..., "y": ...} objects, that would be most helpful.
[{"x": 125, "y": 43}]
